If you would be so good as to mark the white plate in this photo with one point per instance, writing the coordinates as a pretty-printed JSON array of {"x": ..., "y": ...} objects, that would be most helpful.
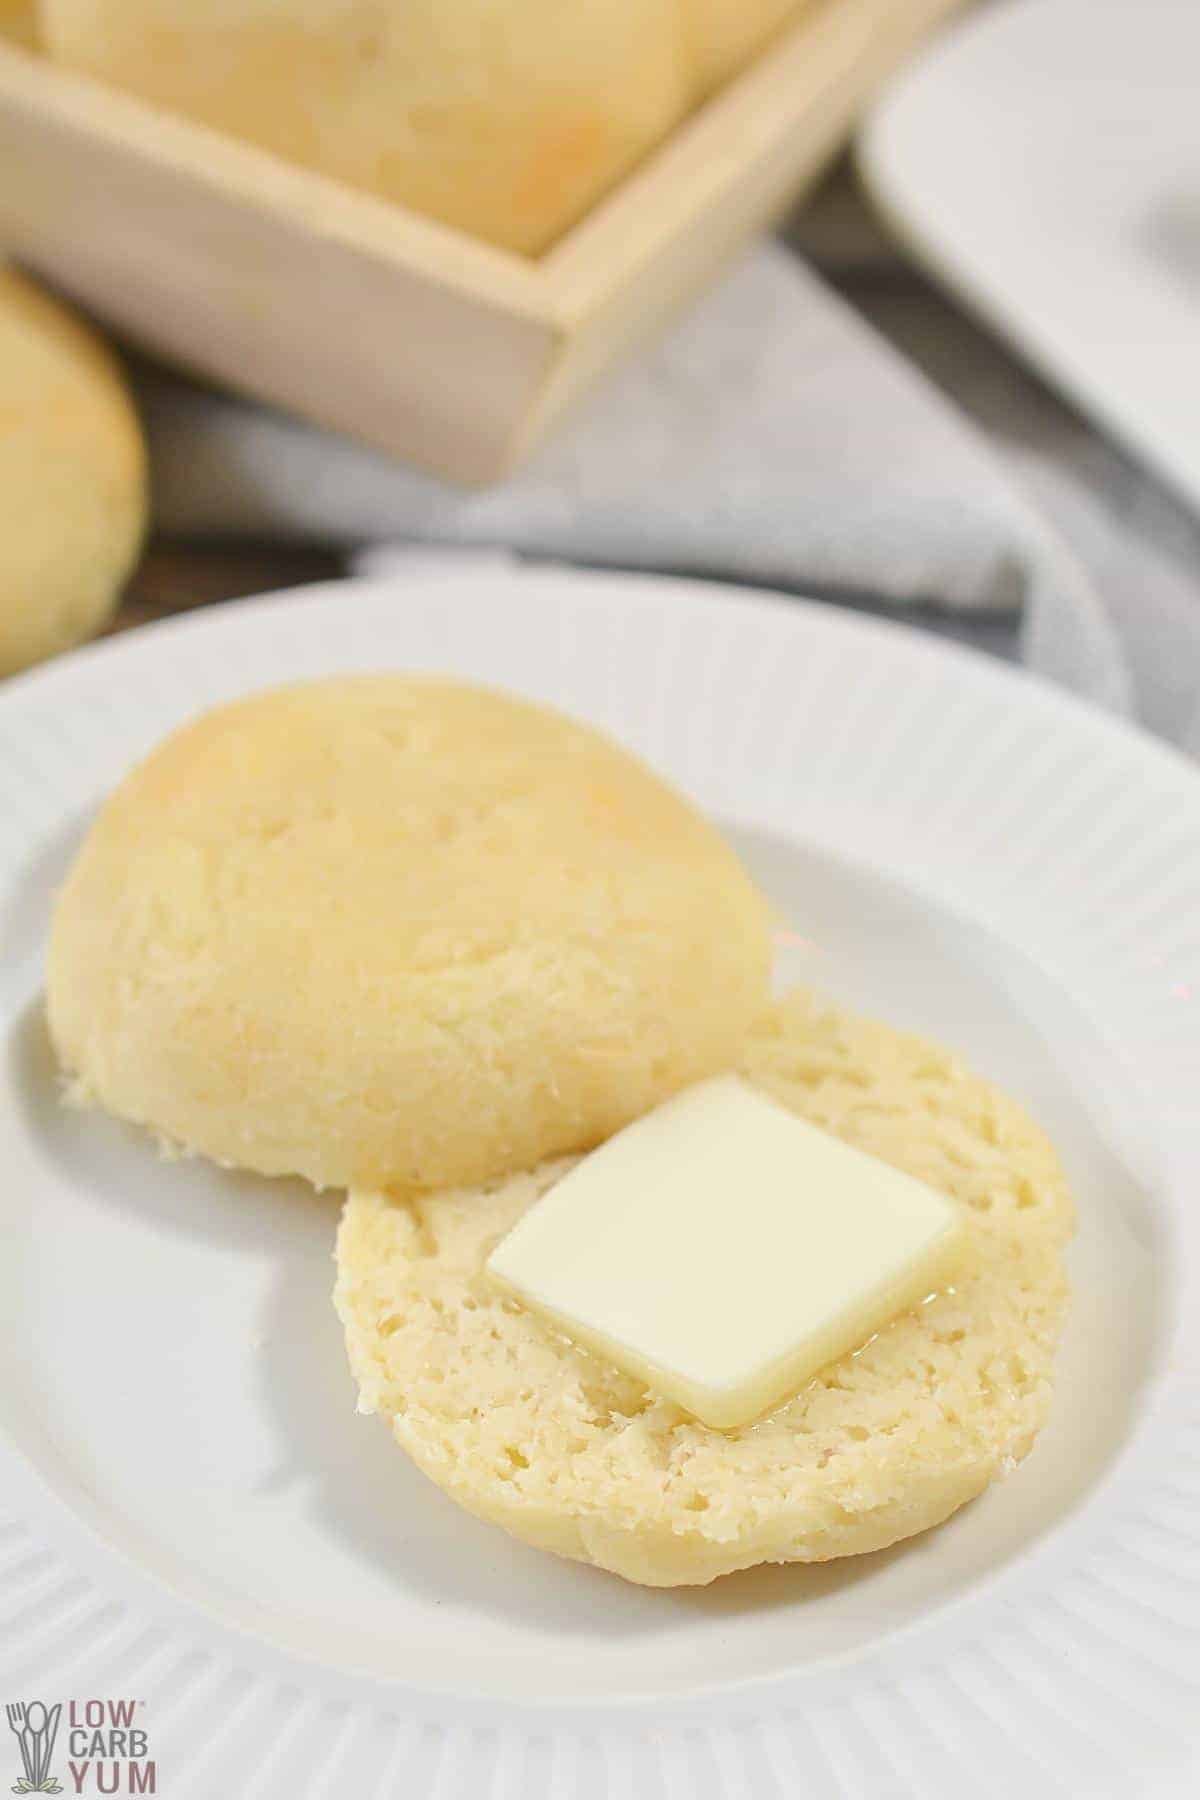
[
  {"x": 1044, "y": 158},
  {"x": 194, "y": 1517}
]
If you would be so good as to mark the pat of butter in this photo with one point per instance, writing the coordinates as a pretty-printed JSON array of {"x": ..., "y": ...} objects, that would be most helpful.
[{"x": 722, "y": 1250}]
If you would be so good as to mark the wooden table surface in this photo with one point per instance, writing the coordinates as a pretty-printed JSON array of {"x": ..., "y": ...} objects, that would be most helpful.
[{"x": 176, "y": 577}]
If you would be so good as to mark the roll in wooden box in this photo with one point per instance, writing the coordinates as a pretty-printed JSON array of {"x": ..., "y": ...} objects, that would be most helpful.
[{"x": 363, "y": 317}]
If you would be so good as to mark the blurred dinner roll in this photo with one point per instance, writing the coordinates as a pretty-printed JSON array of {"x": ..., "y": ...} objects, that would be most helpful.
[
  {"x": 72, "y": 477},
  {"x": 505, "y": 118},
  {"x": 391, "y": 931},
  {"x": 723, "y": 35}
]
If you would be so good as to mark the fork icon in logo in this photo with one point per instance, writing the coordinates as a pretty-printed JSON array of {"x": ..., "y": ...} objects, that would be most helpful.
[{"x": 35, "y": 1729}]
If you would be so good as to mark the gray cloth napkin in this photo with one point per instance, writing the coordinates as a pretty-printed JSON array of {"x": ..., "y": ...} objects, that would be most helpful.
[{"x": 770, "y": 436}]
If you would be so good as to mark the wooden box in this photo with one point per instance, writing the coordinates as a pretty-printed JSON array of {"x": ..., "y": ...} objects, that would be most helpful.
[{"x": 363, "y": 317}]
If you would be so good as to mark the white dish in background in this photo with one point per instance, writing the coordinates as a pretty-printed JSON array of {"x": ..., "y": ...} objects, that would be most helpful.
[
  {"x": 1043, "y": 158},
  {"x": 192, "y": 1514}
]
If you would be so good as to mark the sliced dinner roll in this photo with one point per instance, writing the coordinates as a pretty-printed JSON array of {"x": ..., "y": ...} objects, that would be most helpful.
[{"x": 554, "y": 1444}]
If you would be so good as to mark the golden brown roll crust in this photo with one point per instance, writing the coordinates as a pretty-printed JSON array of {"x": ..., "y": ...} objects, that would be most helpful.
[
  {"x": 388, "y": 930},
  {"x": 505, "y": 118},
  {"x": 724, "y": 35},
  {"x": 72, "y": 477}
]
